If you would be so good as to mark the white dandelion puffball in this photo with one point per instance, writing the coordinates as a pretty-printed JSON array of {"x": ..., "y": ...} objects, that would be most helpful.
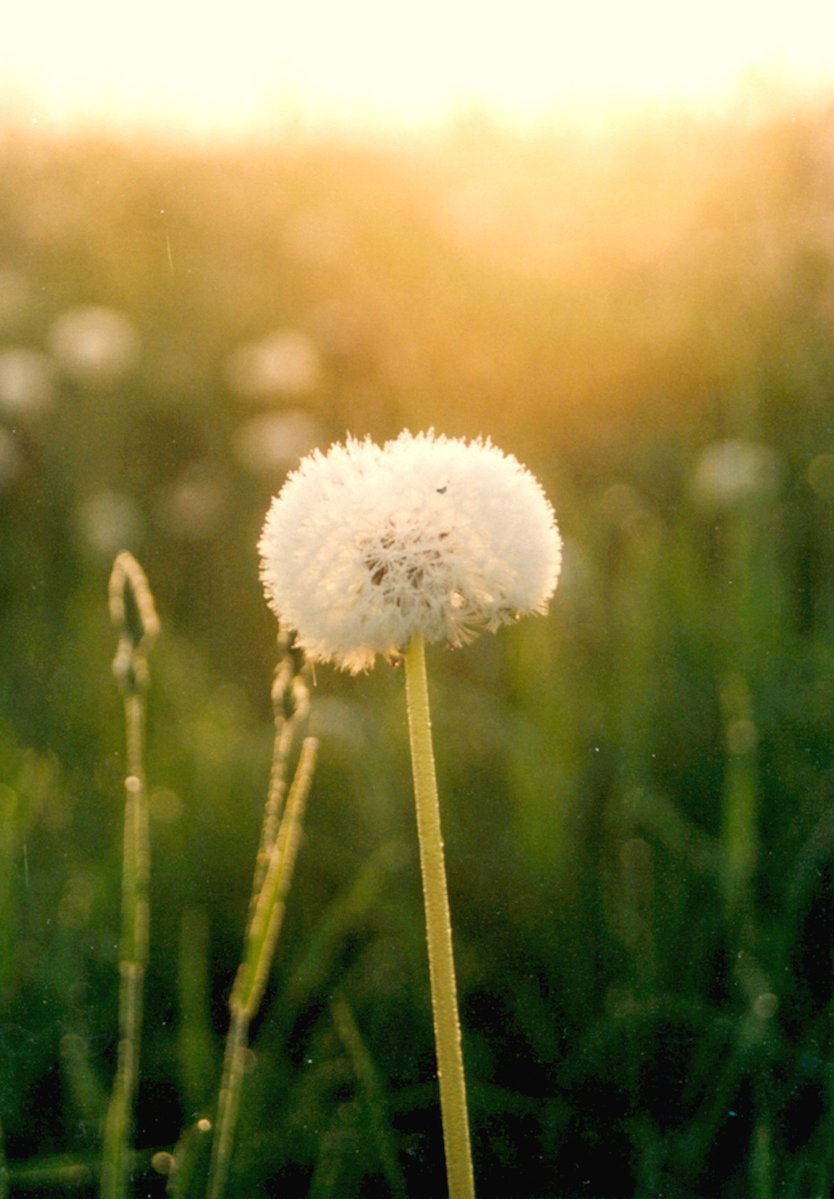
[{"x": 367, "y": 545}]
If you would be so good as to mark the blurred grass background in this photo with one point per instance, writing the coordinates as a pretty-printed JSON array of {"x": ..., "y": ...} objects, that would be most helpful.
[{"x": 637, "y": 789}]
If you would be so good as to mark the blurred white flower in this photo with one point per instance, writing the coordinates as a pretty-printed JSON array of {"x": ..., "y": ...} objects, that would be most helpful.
[
  {"x": 95, "y": 346},
  {"x": 367, "y": 545},
  {"x": 733, "y": 471},
  {"x": 191, "y": 507},
  {"x": 108, "y": 521},
  {"x": 272, "y": 443},
  {"x": 284, "y": 363},
  {"x": 25, "y": 381}
]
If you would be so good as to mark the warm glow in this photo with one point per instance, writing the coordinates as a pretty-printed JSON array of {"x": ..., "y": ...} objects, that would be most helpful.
[{"x": 247, "y": 67}]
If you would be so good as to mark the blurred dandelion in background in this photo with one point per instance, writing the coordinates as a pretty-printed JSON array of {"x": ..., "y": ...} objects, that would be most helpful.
[
  {"x": 735, "y": 471},
  {"x": 26, "y": 381},
  {"x": 274, "y": 442},
  {"x": 282, "y": 364},
  {"x": 94, "y": 346},
  {"x": 190, "y": 507},
  {"x": 108, "y": 521}
]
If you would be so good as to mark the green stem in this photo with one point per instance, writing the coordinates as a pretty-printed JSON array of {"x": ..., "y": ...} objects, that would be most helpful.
[
  {"x": 4, "y": 1168},
  {"x": 438, "y": 931},
  {"x": 116, "y": 1155},
  {"x": 739, "y": 816},
  {"x": 228, "y": 1102},
  {"x": 291, "y": 706},
  {"x": 265, "y": 921}
]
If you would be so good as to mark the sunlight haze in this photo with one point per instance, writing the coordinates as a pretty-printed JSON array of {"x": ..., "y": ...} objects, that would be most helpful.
[{"x": 252, "y": 67}]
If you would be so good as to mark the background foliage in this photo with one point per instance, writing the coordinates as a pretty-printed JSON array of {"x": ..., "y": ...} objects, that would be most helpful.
[{"x": 637, "y": 789}]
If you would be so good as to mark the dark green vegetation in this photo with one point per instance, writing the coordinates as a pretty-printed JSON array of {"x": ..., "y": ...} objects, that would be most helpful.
[{"x": 637, "y": 789}]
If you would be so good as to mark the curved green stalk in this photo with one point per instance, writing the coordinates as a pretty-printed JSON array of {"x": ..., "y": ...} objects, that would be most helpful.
[
  {"x": 438, "y": 931},
  {"x": 133, "y": 612},
  {"x": 266, "y": 916},
  {"x": 280, "y": 836}
]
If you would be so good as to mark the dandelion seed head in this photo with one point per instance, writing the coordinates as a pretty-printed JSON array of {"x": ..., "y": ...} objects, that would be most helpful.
[{"x": 367, "y": 545}]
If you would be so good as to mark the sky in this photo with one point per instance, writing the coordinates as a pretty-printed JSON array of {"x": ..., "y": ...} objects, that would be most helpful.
[{"x": 248, "y": 66}]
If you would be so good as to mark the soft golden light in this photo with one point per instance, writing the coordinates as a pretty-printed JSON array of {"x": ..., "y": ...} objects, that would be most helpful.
[{"x": 247, "y": 67}]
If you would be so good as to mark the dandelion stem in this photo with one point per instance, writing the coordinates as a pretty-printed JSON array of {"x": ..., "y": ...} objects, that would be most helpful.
[{"x": 450, "y": 1073}]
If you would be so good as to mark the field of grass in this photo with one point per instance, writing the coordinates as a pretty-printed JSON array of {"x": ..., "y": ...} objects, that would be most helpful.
[{"x": 638, "y": 789}]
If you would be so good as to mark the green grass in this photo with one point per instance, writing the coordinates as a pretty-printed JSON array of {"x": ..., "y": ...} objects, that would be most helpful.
[{"x": 636, "y": 789}]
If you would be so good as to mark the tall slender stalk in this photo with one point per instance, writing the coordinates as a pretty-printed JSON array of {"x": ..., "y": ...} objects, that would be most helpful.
[
  {"x": 280, "y": 837},
  {"x": 248, "y": 989},
  {"x": 450, "y": 1073},
  {"x": 4, "y": 1169},
  {"x": 133, "y": 612}
]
